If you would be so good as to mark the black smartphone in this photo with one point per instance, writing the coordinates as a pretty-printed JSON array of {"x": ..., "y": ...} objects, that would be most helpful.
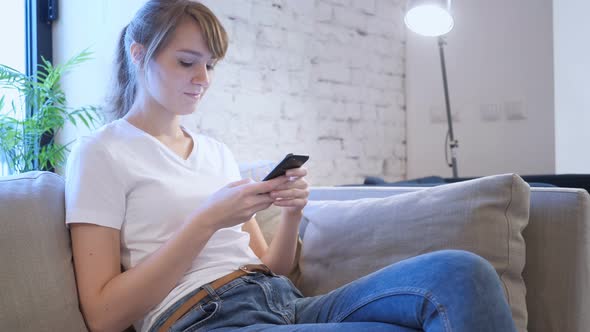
[{"x": 290, "y": 161}]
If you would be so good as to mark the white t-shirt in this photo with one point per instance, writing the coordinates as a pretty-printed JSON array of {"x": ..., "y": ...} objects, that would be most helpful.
[{"x": 122, "y": 177}]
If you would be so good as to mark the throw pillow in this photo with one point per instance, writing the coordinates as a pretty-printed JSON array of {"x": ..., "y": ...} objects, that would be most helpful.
[{"x": 345, "y": 240}]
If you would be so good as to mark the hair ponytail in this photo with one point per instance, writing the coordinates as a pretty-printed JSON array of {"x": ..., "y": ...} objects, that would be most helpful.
[{"x": 123, "y": 93}]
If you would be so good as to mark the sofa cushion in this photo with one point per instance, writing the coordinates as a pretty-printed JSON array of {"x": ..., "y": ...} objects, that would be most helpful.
[
  {"x": 37, "y": 276},
  {"x": 345, "y": 240}
]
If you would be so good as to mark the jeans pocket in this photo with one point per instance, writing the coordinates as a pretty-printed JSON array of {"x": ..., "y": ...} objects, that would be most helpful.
[{"x": 196, "y": 317}]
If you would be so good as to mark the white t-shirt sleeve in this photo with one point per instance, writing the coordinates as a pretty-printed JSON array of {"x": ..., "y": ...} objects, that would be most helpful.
[{"x": 94, "y": 191}]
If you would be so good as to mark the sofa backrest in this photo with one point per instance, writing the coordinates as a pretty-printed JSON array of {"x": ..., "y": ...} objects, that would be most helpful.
[{"x": 37, "y": 276}]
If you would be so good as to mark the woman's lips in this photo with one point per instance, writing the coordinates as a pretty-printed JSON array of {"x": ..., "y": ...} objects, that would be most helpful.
[{"x": 195, "y": 96}]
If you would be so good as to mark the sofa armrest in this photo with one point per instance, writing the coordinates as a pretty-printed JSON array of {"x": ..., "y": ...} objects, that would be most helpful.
[{"x": 557, "y": 270}]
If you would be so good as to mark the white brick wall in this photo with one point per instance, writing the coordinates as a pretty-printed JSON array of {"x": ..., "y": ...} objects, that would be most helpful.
[{"x": 317, "y": 77}]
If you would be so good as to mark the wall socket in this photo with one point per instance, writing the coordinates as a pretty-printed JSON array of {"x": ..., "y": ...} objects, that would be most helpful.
[
  {"x": 511, "y": 110},
  {"x": 438, "y": 114},
  {"x": 515, "y": 110},
  {"x": 489, "y": 112}
]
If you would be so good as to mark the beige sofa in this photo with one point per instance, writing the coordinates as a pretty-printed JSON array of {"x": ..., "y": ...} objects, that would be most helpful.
[{"x": 38, "y": 291}]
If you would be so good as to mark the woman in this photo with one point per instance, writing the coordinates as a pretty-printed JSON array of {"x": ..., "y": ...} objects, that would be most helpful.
[{"x": 162, "y": 227}]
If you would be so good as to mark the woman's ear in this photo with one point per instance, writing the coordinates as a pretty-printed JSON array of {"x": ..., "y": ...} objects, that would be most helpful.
[{"x": 137, "y": 53}]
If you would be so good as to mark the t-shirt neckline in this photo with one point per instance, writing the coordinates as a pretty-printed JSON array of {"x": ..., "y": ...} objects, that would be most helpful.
[{"x": 163, "y": 146}]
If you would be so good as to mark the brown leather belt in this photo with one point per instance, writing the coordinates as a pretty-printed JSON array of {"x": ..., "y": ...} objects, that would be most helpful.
[{"x": 193, "y": 300}]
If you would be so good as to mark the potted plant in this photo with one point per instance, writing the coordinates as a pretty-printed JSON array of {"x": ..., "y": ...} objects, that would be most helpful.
[{"x": 28, "y": 128}]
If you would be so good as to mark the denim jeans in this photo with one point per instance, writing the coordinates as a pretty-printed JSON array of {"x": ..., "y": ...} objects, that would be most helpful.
[{"x": 447, "y": 290}]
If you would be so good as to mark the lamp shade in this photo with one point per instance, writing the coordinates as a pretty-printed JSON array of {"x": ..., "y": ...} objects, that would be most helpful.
[{"x": 429, "y": 17}]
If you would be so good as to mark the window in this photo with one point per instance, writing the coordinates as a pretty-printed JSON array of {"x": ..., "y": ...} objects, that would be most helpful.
[
  {"x": 26, "y": 29},
  {"x": 12, "y": 27}
]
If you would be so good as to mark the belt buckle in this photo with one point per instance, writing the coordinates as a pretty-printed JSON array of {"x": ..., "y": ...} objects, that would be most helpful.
[
  {"x": 246, "y": 269},
  {"x": 258, "y": 268}
]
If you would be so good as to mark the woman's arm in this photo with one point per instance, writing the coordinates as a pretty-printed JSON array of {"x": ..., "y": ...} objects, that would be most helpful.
[
  {"x": 111, "y": 300},
  {"x": 292, "y": 196},
  {"x": 280, "y": 256}
]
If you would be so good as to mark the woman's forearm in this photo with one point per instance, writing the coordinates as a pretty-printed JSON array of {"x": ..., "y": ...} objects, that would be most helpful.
[
  {"x": 130, "y": 295},
  {"x": 280, "y": 255}
]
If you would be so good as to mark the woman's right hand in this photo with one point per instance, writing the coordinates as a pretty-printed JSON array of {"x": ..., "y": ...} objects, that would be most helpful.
[{"x": 236, "y": 203}]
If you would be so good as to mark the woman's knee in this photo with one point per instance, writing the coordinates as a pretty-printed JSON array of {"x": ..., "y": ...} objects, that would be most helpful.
[
  {"x": 448, "y": 269},
  {"x": 462, "y": 256},
  {"x": 466, "y": 268}
]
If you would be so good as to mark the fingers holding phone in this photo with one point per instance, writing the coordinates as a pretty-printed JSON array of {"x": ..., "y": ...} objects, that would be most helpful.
[
  {"x": 295, "y": 173},
  {"x": 293, "y": 192},
  {"x": 292, "y": 195},
  {"x": 236, "y": 202}
]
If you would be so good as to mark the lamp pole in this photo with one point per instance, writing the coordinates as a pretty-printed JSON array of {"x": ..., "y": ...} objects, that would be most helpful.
[
  {"x": 453, "y": 144},
  {"x": 433, "y": 18}
]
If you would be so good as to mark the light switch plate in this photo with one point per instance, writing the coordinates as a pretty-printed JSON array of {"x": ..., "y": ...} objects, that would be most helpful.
[
  {"x": 489, "y": 112},
  {"x": 515, "y": 110}
]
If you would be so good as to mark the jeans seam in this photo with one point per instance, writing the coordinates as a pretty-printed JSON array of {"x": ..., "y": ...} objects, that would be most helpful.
[
  {"x": 411, "y": 291},
  {"x": 199, "y": 324},
  {"x": 285, "y": 312},
  {"x": 269, "y": 295}
]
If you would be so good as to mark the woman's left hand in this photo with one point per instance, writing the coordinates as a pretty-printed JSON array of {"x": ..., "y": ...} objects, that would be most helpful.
[{"x": 292, "y": 195}]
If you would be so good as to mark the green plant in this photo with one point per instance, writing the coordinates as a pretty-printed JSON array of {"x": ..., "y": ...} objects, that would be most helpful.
[{"x": 28, "y": 142}]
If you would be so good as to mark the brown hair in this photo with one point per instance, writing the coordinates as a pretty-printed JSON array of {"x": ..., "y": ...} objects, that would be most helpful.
[{"x": 153, "y": 26}]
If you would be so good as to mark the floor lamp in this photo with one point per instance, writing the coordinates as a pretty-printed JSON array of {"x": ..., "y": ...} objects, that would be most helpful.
[{"x": 433, "y": 18}]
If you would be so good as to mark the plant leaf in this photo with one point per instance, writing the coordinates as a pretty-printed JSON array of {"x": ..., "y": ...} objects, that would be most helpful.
[{"x": 20, "y": 138}]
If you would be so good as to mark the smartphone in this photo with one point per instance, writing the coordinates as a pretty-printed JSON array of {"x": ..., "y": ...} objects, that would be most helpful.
[{"x": 290, "y": 161}]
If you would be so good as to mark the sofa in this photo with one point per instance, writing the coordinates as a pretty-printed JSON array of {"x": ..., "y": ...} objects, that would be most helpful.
[{"x": 38, "y": 281}]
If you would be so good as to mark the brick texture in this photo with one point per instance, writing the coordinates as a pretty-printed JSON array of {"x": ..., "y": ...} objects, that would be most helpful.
[{"x": 317, "y": 77}]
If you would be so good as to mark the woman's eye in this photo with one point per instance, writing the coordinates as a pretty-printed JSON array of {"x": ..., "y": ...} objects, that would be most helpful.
[
  {"x": 210, "y": 67},
  {"x": 185, "y": 64}
]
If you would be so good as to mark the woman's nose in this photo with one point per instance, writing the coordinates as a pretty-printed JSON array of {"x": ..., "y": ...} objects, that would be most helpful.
[{"x": 201, "y": 76}]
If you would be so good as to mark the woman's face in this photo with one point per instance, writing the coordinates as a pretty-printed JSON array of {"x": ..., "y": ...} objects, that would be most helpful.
[{"x": 180, "y": 74}]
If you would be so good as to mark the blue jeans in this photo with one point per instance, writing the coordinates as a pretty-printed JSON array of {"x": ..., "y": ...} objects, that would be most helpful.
[{"x": 447, "y": 290}]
